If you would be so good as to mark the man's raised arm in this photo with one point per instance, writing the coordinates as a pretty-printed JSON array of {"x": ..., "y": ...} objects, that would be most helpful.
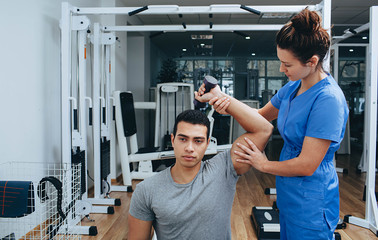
[{"x": 257, "y": 127}]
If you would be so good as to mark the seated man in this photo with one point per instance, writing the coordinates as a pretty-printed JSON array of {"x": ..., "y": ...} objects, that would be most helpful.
[{"x": 193, "y": 198}]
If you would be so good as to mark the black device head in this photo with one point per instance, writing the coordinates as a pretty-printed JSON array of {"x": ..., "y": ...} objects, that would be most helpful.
[{"x": 210, "y": 82}]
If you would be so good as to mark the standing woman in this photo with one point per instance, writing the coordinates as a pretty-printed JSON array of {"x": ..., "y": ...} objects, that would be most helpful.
[{"x": 311, "y": 114}]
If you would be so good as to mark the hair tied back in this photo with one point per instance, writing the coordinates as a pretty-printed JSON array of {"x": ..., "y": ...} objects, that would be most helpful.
[{"x": 306, "y": 22}]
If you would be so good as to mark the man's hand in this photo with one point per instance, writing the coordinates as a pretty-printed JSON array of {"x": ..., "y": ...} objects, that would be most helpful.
[
  {"x": 201, "y": 96},
  {"x": 220, "y": 104}
]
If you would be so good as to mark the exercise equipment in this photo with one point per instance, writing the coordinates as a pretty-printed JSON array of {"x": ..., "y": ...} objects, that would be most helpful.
[
  {"x": 9, "y": 237},
  {"x": 267, "y": 222},
  {"x": 210, "y": 82},
  {"x": 73, "y": 102},
  {"x": 136, "y": 162},
  {"x": 370, "y": 130},
  {"x": 171, "y": 99},
  {"x": 77, "y": 118},
  {"x": 71, "y": 12}
]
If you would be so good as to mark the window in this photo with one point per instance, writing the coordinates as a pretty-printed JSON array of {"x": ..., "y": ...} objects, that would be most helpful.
[{"x": 194, "y": 70}]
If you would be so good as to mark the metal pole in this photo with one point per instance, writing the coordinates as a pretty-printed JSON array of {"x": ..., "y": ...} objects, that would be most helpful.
[
  {"x": 96, "y": 111},
  {"x": 65, "y": 83}
]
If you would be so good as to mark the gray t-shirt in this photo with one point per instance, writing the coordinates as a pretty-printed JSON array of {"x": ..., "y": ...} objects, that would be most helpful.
[{"x": 200, "y": 209}]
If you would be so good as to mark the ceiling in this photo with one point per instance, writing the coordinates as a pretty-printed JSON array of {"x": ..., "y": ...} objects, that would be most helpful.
[{"x": 345, "y": 14}]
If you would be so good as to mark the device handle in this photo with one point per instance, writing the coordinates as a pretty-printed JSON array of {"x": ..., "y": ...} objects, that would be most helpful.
[{"x": 210, "y": 82}]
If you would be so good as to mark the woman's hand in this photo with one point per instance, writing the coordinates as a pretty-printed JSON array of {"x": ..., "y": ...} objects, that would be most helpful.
[
  {"x": 251, "y": 155},
  {"x": 220, "y": 104}
]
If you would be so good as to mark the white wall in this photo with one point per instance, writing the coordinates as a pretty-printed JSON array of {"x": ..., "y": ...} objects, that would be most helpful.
[
  {"x": 30, "y": 81},
  {"x": 137, "y": 85},
  {"x": 30, "y": 119}
]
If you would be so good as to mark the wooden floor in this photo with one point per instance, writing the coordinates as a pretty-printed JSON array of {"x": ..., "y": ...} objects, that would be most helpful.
[{"x": 249, "y": 193}]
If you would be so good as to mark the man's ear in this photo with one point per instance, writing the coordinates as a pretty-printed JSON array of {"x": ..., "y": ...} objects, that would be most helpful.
[{"x": 172, "y": 138}]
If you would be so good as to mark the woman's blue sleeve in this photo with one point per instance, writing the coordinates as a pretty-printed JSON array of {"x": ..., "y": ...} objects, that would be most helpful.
[
  {"x": 277, "y": 98},
  {"x": 327, "y": 118}
]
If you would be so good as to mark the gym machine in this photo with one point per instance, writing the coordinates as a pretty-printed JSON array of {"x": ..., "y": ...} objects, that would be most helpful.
[
  {"x": 101, "y": 130},
  {"x": 73, "y": 130},
  {"x": 370, "y": 130}
]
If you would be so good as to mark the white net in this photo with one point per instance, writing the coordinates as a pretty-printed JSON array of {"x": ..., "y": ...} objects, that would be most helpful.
[{"x": 44, "y": 212}]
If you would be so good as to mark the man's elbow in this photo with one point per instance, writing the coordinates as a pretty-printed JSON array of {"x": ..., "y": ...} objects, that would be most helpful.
[{"x": 268, "y": 130}]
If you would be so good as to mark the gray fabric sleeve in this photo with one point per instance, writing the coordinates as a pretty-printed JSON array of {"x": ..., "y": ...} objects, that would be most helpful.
[
  {"x": 222, "y": 161},
  {"x": 140, "y": 206},
  {"x": 230, "y": 166}
]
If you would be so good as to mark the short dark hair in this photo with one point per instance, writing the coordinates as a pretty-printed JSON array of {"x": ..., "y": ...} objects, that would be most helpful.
[
  {"x": 193, "y": 117},
  {"x": 304, "y": 36}
]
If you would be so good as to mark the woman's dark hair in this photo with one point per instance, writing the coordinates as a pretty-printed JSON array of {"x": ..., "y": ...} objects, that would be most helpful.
[
  {"x": 305, "y": 37},
  {"x": 193, "y": 117}
]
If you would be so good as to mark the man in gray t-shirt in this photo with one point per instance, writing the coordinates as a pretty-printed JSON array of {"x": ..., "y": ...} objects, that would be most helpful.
[
  {"x": 193, "y": 198},
  {"x": 195, "y": 210}
]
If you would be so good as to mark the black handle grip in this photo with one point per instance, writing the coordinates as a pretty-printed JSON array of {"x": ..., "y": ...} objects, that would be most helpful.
[
  {"x": 254, "y": 11},
  {"x": 136, "y": 11},
  {"x": 90, "y": 116},
  {"x": 103, "y": 115},
  {"x": 114, "y": 113},
  {"x": 210, "y": 82},
  {"x": 75, "y": 118}
]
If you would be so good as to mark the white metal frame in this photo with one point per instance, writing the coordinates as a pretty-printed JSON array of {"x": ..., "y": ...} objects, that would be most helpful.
[
  {"x": 337, "y": 39},
  {"x": 131, "y": 156},
  {"x": 175, "y": 9},
  {"x": 212, "y": 9},
  {"x": 167, "y": 88},
  {"x": 101, "y": 98},
  {"x": 335, "y": 47},
  {"x": 370, "y": 138},
  {"x": 69, "y": 11},
  {"x": 71, "y": 137},
  {"x": 72, "y": 98}
]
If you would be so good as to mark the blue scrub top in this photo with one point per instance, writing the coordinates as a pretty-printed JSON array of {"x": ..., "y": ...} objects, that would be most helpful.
[{"x": 320, "y": 112}]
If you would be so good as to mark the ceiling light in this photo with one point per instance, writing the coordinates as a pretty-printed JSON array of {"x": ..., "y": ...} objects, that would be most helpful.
[
  {"x": 202, "y": 44},
  {"x": 364, "y": 38},
  {"x": 202, "y": 36},
  {"x": 184, "y": 49},
  {"x": 253, "y": 54},
  {"x": 351, "y": 50},
  {"x": 248, "y": 37}
]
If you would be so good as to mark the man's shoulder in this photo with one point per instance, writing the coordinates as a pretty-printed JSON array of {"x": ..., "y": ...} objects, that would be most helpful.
[
  {"x": 156, "y": 179},
  {"x": 221, "y": 155},
  {"x": 220, "y": 159}
]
